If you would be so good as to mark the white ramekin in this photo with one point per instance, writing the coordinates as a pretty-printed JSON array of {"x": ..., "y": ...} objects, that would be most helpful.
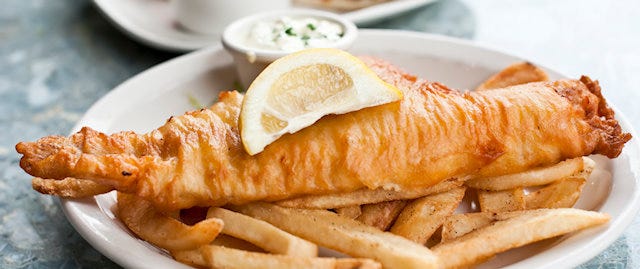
[{"x": 251, "y": 61}]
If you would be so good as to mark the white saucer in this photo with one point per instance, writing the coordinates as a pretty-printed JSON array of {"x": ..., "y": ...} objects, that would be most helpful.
[{"x": 151, "y": 22}]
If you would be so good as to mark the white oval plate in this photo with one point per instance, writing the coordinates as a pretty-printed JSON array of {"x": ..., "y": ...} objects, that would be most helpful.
[
  {"x": 151, "y": 22},
  {"x": 148, "y": 99}
]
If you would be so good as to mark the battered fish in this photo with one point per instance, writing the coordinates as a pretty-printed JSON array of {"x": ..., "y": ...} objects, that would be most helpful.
[{"x": 433, "y": 134}]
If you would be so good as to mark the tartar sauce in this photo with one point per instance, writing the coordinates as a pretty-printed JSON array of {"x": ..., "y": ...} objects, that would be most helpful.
[{"x": 289, "y": 34}]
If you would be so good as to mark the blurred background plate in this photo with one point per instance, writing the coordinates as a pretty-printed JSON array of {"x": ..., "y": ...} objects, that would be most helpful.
[{"x": 152, "y": 22}]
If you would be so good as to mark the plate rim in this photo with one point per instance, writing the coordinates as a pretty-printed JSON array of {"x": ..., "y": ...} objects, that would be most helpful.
[
  {"x": 596, "y": 245},
  {"x": 109, "y": 10}
]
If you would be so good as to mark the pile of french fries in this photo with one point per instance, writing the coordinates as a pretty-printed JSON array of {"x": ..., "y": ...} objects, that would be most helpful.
[{"x": 417, "y": 228}]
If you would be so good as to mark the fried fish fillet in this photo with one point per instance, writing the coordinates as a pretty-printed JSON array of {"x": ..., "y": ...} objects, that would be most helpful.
[{"x": 433, "y": 134}]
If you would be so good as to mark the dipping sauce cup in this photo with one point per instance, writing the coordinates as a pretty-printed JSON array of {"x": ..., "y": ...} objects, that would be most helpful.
[{"x": 257, "y": 40}]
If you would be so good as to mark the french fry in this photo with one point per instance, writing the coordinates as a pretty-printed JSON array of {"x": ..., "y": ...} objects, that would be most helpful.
[
  {"x": 351, "y": 212},
  {"x": 366, "y": 196},
  {"x": 435, "y": 238},
  {"x": 515, "y": 74},
  {"x": 69, "y": 187},
  {"x": 195, "y": 258},
  {"x": 460, "y": 224},
  {"x": 163, "y": 231},
  {"x": 501, "y": 201},
  {"x": 422, "y": 217},
  {"x": 229, "y": 258},
  {"x": 191, "y": 257},
  {"x": 528, "y": 227},
  {"x": 262, "y": 234},
  {"x": 345, "y": 235},
  {"x": 535, "y": 177},
  {"x": 225, "y": 257},
  {"x": 228, "y": 241},
  {"x": 562, "y": 193},
  {"x": 381, "y": 215}
]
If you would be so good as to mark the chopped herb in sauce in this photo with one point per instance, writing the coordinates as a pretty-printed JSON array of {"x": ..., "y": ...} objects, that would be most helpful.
[{"x": 291, "y": 34}]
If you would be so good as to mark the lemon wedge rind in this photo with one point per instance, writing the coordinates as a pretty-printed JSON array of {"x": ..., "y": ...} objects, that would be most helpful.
[{"x": 297, "y": 90}]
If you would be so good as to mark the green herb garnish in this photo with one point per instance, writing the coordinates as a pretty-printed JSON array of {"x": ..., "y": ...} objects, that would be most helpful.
[
  {"x": 305, "y": 39},
  {"x": 194, "y": 102},
  {"x": 289, "y": 31},
  {"x": 311, "y": 26},
  {"x": 238, "y": 86}
]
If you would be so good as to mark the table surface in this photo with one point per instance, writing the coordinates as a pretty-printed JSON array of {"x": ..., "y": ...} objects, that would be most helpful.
[{"x": 59, "y": 57}]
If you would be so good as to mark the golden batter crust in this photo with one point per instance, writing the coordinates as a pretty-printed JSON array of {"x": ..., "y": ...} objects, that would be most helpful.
[{"x": 433, "y": 134}]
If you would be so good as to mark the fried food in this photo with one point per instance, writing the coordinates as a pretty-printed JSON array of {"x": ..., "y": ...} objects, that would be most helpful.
[
  {"x": 534, "y": 177},
  {"x": 433, "y": 134},
  {"x": 191, "y": 257},
  {"x": 69, "y": 187},
  {"x": 381, "y": 215},
  {"x": 263, "y": 234},
  {"x": 423, "y": 216},
  {"x": 528, "y": 227},
  {"x": 458, "y": 225},
  {"x": 163, "y": 231},
  {"x": 515, "y": 74},
  {"x": 348, "y": 236},
  {"x": 563, "y": 193},
  {"x": 228, "y": 241},
  {"x": 229, "y": 258},
  {"x": 368, "y": 196},
  {"x": 351, "y": 212},
  {"x": 399, "y": 164},
  {"x": 501, "y": 201}
]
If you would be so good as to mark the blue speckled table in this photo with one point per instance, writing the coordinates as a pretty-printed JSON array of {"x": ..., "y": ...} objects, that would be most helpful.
[{"x": 59, "y": 57}]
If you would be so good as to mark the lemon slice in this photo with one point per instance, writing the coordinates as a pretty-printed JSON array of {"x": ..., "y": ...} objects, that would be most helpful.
[{"x": 297, "y": 90}]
